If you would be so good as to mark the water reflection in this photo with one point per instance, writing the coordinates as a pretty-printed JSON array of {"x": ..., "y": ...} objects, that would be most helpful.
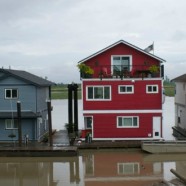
[
  {"x": 100, "y": 168},
  {"x": 39, "y": 171},
  {"x": 120, "y": 168}
]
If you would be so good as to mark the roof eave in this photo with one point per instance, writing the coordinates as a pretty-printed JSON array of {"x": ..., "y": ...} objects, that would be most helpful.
[{"x": 126, "y": 43}]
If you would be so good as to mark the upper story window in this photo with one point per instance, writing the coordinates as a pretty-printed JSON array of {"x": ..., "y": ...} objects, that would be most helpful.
[
  {"x": 126, "y": 89},
  {"x": 152, "y": 89},
  {"x": 127, "y": 122},
  {"x": 98, "y": 93},
  {"x": 11, "y": 124},
  {"x": 121, "y": 63},
  {"x": 11, "y": 93}
]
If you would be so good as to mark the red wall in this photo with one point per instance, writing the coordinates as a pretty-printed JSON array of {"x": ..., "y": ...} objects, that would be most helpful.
[
  {"x": 104, "y": 59},
  {"x": 105, "y": 126},
  {"x": 138, "y": 100}
]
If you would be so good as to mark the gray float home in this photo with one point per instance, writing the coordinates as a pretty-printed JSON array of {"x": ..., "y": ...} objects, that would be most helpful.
[
  {"x": 32, "y": 91},
  {"x": 179, "y": 130}
]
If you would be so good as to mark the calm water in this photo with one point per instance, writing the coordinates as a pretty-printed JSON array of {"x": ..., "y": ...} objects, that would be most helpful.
[{"x": 100, "y": 168}]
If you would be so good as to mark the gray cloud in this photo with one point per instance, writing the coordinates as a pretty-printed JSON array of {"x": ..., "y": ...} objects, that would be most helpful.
[{"x": 56, "y": 34}]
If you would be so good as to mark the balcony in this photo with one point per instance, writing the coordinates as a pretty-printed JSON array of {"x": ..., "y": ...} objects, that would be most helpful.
[{"x": 122, "y": 72}]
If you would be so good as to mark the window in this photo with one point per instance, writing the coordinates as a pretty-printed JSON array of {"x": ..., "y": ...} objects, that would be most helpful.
[
  {"x": 128, "y": 168},
  {"x": 11, "y": 124},
  {"x": 120, "y": 63},
  {"x": 126, "y": 89},
  {"x": 88, "y": 122},
  {"x": 11, "y": 93},
  {"x": 98, "y": 93},
  {"x": 152, "y": 89},
  {"x": 127, "y": 122}
]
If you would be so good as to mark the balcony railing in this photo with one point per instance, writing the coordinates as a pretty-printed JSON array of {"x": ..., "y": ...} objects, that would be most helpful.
[{"x": 123, "y": 71}]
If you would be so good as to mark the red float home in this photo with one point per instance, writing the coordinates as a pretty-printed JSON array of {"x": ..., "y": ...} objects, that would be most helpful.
[{"x": 122, "y": 93}]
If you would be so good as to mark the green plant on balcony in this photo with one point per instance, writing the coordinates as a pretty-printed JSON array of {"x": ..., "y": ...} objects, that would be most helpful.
[
  {"x": 154, "y": 69},
  {"x": 85, "y": 70}
]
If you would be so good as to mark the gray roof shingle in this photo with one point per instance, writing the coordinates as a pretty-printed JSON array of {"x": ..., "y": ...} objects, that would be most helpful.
[
  {"x": 28, "y": 77},
  {"x": 181, "y": 78}
]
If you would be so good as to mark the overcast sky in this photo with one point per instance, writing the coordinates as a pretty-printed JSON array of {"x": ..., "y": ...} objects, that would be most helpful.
[{"x": 49, "y": 37}]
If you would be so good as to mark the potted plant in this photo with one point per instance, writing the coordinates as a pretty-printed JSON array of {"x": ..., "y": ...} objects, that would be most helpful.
[
  {"x": 85, "y": 70},
  {"x": 154, "y": 69}
]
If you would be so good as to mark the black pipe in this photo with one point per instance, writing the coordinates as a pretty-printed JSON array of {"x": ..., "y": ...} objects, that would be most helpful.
[
  {"x": 19, "y": 123},
  {"x": 50, "y": 122},
  {"x": 70, "y": 114},
  {"x": 75, "y": 88}
]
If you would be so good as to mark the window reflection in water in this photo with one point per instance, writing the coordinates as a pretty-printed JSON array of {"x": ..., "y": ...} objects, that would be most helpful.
[{"x": 98, "y": 167}]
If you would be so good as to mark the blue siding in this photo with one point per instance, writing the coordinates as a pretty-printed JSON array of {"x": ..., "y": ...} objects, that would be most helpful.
[
  {"x": 26, "y": 94},
  {"x": 32, "y": 98},
  {"x": 28, "y": 127},
  {"x": 42, "y": 97}
]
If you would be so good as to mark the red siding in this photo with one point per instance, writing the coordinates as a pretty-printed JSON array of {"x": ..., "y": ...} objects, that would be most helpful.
[
  {"x": 138, "y": 100},
  {"x": 105, "y": 126},
  {"x": 104, "y": 59}
]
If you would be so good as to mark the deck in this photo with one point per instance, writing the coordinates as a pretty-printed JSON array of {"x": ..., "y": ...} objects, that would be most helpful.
[
  {"x": 60, "y": 148},
  {"x": 38, "y": 151},
  {"x": 158, "y": 147}
]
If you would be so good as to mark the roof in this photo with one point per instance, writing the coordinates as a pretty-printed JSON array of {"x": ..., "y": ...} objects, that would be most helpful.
[
  {"x": 181, "y": 78},
  {"x": 125, "y": 43},
  {"x": 26, "y": 76},
  {"x": 24, "y": 114}
]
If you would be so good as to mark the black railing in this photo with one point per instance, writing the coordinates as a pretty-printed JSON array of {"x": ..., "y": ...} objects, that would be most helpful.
[{"x": 125, "y": 71}]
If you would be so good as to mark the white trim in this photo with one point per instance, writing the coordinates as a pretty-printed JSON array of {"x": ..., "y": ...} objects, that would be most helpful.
[
  {"x": 102, "y": 86},
  {"x": 85, "y": 124},
  {"x": 132, "y": 92},
  {"x": 130, "y": 61},
  {"x": 126, "y": 43},
  {"x": 119, "y": 79},
  {"x": 123, "y": 126},
  {"x": 115, "y": 139},
  {"x": 120, "y": 111},
  {"x": 11, "y": 89},
  {"x": 153, "y": 92}
]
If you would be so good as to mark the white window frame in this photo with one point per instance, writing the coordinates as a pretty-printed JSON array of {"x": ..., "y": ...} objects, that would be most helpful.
[
  {"x": 134, "y": 168},
  {"x": 130, "y": 61},
  {"x": 152, "y": 92},
  {"x": 11, "y": 89},
  {"x": 12, "y": 121},
  {"x": 123, "y": 126},
  {"x": 85, "y": 122},
  {"x": 126, "y": 92},
  {"x": 98, "y": 99}
]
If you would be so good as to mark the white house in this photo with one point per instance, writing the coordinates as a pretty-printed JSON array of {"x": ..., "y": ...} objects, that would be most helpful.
[{"x": 179, "y": 130}]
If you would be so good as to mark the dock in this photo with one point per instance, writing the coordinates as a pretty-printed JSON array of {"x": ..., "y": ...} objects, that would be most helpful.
[
  {"x": 60, "y": 148},
  {"x": 108, "y": 144},
  {"x": 38, "y": 151},
  {"x": 159, "y": 147}
]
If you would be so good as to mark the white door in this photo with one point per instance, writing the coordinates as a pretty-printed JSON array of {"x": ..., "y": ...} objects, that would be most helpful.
[{"x": 156, "y": 127}]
